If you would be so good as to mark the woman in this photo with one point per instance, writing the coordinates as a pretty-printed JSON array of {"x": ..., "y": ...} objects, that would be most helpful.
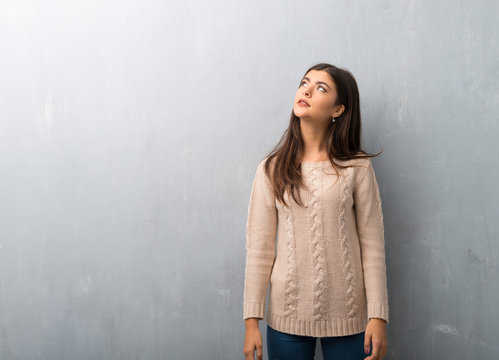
[{"x": 328, "y": 278}]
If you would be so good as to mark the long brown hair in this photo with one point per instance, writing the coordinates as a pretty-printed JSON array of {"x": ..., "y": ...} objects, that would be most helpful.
[{"x": 343, "y": 138}]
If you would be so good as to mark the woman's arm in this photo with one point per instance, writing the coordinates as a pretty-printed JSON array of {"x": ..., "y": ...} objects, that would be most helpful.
[
  {"x": 370, "y": 228},
  {"x": 261, "y": 231}
]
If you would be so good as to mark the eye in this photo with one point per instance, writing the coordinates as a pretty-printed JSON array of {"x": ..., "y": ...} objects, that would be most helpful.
[{"x": 319, "y": 87}]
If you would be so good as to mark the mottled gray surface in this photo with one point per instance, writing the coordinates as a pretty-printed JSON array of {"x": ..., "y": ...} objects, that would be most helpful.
[{"x": 129, "y": 136}]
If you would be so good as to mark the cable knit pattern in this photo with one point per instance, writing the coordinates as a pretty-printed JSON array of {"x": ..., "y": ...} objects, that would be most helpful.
[
  {"x": 350, "y": 294},
  {"x": 317, "y": 244},
  {"x": 291, "y": 290},
  {"x": 326, "y": 271}
]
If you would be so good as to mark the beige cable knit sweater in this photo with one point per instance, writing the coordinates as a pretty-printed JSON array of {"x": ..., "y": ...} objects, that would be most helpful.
[{"x": 328, "y": 276}]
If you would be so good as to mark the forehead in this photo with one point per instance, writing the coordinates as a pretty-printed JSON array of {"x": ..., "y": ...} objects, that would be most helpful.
[{"x": 319, "y": 75}]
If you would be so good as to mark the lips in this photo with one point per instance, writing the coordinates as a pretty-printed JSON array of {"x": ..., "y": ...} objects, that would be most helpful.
[{"x": 301, "y": 101}]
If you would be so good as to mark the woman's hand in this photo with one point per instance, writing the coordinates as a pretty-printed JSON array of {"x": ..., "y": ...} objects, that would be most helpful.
[
  {"x": 375, "y": 333},
  {"x": 253, "y": 340}
]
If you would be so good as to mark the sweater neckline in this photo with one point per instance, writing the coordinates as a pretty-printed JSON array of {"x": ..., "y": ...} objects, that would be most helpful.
[{"x": 314, "y": 163}]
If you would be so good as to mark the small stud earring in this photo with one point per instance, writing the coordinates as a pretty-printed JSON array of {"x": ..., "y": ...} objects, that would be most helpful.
[{"x": 333, "y": 119}]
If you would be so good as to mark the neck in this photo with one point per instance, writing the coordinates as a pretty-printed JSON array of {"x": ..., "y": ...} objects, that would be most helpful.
[{"x": 313, "y": 134}]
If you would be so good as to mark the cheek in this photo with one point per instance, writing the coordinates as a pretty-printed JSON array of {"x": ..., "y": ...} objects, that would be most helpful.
[{"x": 325, "y": 104}]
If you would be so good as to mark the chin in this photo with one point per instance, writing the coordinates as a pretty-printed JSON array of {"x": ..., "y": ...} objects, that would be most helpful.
[{"x": 299, "y": 113}]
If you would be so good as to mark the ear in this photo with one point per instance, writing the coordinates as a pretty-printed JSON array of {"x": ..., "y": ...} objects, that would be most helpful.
[{"x": 339, "y": 111}]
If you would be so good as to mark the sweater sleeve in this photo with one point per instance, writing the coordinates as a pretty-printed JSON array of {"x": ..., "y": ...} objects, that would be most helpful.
[
  {"x": 370, "y": 228},
  {"x": 261, "y": 229}
]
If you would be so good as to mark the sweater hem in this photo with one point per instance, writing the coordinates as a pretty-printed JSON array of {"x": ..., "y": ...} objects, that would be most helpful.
[{"x": 317, "y": 328}]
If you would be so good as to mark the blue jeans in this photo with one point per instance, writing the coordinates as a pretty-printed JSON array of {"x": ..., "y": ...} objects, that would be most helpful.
[{"x": 282, "y": 346}]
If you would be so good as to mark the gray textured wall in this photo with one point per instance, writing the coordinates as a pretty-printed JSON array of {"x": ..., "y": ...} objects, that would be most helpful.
[{"x": 130, "y": 132}]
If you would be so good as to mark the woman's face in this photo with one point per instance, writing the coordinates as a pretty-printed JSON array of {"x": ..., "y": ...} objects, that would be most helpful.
[{"x": 319, "y": 91}]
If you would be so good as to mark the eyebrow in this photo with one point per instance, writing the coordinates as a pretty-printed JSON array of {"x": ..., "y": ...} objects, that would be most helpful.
[{"x": 317, "y": 82}]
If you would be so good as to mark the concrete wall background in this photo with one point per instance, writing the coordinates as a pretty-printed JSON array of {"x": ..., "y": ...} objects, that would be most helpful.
[{"x": 130, "y": 132}]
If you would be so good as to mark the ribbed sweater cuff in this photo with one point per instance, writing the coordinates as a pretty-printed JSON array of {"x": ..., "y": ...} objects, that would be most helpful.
[
  {"x": 378, "y": 310},
  {"x": 254, "y": 310}
]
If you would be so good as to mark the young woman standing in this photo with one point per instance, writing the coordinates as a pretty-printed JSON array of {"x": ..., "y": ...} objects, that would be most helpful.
[{"x": 317, "y": 192}]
